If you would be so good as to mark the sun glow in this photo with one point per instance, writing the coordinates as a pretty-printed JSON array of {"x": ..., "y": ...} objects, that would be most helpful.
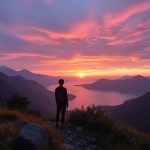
[{"x": 81, "y": 75}]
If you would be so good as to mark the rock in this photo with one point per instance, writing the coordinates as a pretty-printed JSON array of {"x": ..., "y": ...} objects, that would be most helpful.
[
  {"x": 70, "y": 139},
  {"x": 68, "y": 147},
  {"x": 31, "y": 137},
  {"x": 91, "y": 140},
  {"x": 79, "y": 129},
  {"x": 22, "y": 122}
]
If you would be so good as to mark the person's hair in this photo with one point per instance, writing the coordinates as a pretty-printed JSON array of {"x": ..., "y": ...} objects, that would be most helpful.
[{"x": 61, "y": 81}]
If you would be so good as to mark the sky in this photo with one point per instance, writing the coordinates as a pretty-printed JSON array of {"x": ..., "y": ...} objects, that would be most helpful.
[{"x": 76, "y": 37}]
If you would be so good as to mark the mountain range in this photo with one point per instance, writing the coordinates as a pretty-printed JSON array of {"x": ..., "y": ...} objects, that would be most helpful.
[
  {"x": 44, "y": 80},
  {"x": 41, "y": 99},
  {"x": 134, "y": 85},
  {"x": 134, "y": 112}
]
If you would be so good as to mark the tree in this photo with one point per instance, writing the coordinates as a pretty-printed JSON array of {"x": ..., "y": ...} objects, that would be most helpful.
[{"x": 18, "y": 102}]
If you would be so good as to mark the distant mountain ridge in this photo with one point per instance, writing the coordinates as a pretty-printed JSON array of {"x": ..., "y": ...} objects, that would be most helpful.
[
  {"x": 44, "y": 80},
  {"x": 41, "y": 99},
  {"x": 135, "y": 112},
  {"x": 134, "y": 85}
]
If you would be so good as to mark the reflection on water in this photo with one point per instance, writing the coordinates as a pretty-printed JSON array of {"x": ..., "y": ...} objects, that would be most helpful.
[{"x": 88, "y": 97}]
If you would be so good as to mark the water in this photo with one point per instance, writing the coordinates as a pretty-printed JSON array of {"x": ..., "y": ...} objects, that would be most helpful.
[{"x": 88, "y": 97}]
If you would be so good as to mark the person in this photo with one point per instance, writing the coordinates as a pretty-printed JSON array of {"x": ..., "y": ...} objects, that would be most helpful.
[{"x": 61, "y": 98}]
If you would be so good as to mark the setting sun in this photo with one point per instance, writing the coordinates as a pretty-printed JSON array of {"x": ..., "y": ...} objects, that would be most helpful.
[{"x": 81, "y": 75}]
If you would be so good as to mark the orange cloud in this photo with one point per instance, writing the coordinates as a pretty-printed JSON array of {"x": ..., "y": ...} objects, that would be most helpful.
[{"x": 81, "y": 66}]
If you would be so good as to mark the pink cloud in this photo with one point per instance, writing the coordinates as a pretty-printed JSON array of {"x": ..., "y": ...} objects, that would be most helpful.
[
  {"x": 12, "y": 56},
  {"x": 116, "y": 19},
  {"x": 83, "y": 31}
]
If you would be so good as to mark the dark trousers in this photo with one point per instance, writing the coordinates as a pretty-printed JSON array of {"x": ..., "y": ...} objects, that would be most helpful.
[{"x": 61, "y": 109}]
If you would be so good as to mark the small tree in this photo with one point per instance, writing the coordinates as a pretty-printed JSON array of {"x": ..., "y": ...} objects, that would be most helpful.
[{"x": 18, "y": 102}]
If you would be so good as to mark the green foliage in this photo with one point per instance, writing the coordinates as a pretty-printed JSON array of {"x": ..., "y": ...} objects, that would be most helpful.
[
  {"x": 8, "y": 117},
  {"x": 91, "y": 118},
  {"x": 18, "y": 102},
  {"x": 108, "y": 134}
]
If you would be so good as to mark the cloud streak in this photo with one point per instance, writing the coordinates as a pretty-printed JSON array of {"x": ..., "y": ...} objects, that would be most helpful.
[{"x": 75, "y": 35}]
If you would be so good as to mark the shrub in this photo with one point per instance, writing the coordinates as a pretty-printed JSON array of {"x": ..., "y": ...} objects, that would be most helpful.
[
  {"x": 8, "y": 117},
  {"x": 108, "y": 133},
  {"x": 18, "y": 102},
  {"x": 91, "y": 118}
]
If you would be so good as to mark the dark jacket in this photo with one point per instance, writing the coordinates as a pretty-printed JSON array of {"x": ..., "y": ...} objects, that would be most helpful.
[{"x": 61, "y": 96}]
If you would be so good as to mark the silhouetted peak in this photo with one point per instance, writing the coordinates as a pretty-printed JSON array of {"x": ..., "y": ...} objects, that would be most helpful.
[
  {"x": 138, "y": 77},
  {"x": 25, "y": 71},
  {"x": 125, "y": 77}
]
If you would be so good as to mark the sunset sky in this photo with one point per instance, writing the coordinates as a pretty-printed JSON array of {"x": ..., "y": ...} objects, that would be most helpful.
[{"x": 76, "y": 37}]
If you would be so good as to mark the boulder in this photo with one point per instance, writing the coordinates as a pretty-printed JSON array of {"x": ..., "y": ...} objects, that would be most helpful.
[{"x": 31, "y": 137}]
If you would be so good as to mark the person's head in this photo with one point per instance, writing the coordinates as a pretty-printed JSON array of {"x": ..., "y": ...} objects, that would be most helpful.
[{"x": 61, "y": 81}]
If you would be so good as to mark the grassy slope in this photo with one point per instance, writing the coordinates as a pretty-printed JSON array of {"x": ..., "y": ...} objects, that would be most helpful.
[{"x": 9, "y": 130}]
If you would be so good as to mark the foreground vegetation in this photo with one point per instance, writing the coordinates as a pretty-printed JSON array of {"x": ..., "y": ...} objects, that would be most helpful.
[
  {"x": 109, "y": 135},
  {"x": 16, "y": 108},
  {"x": 9, "y": 129}
]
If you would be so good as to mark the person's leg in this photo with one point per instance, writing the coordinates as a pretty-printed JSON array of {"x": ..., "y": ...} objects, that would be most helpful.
[
  {"x": 57, "y": 115},
  {"x": 63, "y": 111}
]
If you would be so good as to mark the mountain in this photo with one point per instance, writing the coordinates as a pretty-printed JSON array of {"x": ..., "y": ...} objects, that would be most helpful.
[
  {"x": 44, "y": 80},
  {"x": 126, "y": 77},
  {"x": 41, "y": 99},
  {"x": 135, "y": 112},
  {"x": 134, "y": 85}
]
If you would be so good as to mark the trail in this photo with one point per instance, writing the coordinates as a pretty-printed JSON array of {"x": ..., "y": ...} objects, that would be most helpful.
[{"x": 72, "y": 140}]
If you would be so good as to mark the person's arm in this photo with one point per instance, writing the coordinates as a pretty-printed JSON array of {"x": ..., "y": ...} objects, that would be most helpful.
[
  {"x": 56, "y": 95},
  {"x": 66, "y": 97}
]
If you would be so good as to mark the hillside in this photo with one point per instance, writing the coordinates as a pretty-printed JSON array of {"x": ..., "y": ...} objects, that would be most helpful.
[
  {"x": 134, "y": 85},
  {"x": 44, "y": 80},
  {"x": 135, "y": 112},
  {"x": 41, "y": 99},
  {"x": 23, "y": 131}
]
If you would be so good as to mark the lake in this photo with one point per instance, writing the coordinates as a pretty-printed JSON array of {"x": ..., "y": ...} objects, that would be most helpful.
[{"x": 88, "y": 97}]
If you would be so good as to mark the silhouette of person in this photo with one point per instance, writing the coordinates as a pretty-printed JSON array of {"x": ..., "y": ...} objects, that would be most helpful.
[{"x": 61, "y": 98}]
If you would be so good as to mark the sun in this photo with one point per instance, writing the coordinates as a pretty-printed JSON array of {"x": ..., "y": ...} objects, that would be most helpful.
[{"x": 81, "y": 75}]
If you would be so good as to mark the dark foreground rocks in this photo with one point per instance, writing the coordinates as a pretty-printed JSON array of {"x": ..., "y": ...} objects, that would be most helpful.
[{"x": 31, "y": 137}]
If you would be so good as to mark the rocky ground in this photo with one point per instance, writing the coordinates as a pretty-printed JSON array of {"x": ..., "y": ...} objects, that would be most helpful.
[{"x": 72, "y": 140}]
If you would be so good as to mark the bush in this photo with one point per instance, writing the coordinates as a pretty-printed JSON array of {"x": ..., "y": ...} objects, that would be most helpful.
[
  {"x": 18, "y": 102},
  {"x": 109, "y": 134},
  {"x": 91, "y": 118},
  {"x": 8, "y": 117}
]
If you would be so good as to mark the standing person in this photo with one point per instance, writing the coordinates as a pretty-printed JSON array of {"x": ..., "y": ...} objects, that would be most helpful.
[{"x": 61, "y": 97}]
